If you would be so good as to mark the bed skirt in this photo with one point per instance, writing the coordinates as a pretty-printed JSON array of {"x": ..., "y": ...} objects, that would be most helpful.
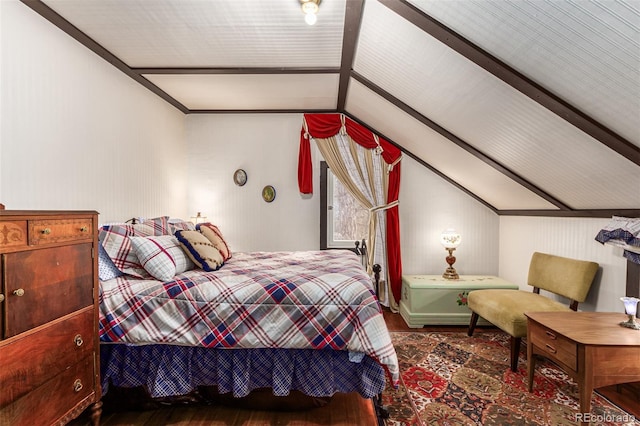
[{"x": 166, "y": 370}]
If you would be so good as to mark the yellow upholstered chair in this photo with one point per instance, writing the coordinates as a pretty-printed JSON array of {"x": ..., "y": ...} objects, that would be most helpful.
[{"x": 505, "y": 309}]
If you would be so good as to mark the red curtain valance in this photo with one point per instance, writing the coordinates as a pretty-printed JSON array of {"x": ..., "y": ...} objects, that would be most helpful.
[{"x": 327, "y": 125}]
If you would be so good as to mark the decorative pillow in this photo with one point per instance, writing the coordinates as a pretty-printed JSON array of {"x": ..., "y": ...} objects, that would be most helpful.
[
  {"x": 200, "y": 250},
  {"x": 106, "y": 269},
  {"x": 214, "y": 235},
  {"x": 116, "y": 243},
  {"x": 179, "y": 225},
  {"x": 160, "y": 225},
  {"x": 161, "y": 256}
]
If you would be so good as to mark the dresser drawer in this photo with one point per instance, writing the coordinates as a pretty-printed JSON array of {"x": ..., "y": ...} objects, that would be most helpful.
[
  {"x": 13, "y": 234},
  {"x": 59, "y": 230},
  {"x": 45, "y": 284},
  {"x": 553, "y": 345},
  {"x": 54, "y": 399},
  {"x": 30, "y": 361}
]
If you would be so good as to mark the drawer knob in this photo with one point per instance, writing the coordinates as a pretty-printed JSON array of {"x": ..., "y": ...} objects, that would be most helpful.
[
  {"x": 46, "y": 231},
  {"x": 551, "y": 349},
  {"x": 84, "y": 229},
  {"x": 77, "y": 385},
  {"x": 550, "y": 335},
  {"x": 1, "y": 297},
  {"x": 19, "y": 292},
  {"x": 78, "y": 340}
]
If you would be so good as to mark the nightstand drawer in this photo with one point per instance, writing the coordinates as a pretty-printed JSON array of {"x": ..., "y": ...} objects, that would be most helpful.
[
  {"x": 59, "y": 230},
  {"x": 554, "y": 346}
]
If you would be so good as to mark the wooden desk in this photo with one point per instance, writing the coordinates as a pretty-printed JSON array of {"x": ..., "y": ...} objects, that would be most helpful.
[{"x": 591, "y": 347}]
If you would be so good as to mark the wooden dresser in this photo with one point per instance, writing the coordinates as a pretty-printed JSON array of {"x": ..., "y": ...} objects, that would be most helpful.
[{"x": 49, "y": 348}]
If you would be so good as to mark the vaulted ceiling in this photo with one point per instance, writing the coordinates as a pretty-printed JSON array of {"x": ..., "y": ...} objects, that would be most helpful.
[{"x": 529, "y": 106}]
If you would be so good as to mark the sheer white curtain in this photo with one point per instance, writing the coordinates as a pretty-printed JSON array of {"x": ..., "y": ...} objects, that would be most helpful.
[{"x": 364, "y": 173}]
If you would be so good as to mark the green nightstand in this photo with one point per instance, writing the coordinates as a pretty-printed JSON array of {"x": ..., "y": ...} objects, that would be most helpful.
[{"x": 432, "y": 300}]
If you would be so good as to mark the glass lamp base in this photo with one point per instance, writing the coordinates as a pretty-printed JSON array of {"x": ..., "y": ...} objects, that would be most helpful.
[{"x": 631, "y": 323}]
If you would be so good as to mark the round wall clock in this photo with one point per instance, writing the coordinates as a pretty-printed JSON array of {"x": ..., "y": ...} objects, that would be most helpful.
[
  {"x": 269, "y": 193},
  {"x": 240, "y": 177}
]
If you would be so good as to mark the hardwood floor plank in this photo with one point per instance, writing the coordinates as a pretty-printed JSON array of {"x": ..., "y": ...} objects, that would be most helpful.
[{"x": 343, "y": 410}]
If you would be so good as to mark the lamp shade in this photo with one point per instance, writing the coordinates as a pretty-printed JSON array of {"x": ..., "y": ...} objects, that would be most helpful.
[
  {"x": 450, "y": 239},
  {"x": 630, "y": 304}
]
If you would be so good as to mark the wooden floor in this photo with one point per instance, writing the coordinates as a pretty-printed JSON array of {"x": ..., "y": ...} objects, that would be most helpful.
[{"x": 343, "y": 410}]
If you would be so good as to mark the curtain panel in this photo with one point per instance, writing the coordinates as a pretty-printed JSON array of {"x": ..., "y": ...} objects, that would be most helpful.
[{"x": 328, "y": 125}]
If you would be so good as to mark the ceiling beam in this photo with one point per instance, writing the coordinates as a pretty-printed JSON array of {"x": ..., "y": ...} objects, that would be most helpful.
[
  {"x": 425, "y": 164},
  {"x": 236, "y": 71},
  {"x": 57, "y": 20},
  {"x": 461, "y": 143},
  {"x": 352, "y": 21},
  {"x": 261, "y": 111},
  {"x": 515, "y": 79},
  {"x": 602, "y": 213}
]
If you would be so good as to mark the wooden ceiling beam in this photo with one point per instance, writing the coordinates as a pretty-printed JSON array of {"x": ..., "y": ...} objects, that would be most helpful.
[
  {"x": 425, "y": 164},
  {"x": 601, "y": 213},
  {"x": 57, "y": 20},
  {"x": 236, "y": 71},
  {"x": 515, "y": 79},
  {"x": 461, "y": 143},
  {"x": 352, "y": 22}
]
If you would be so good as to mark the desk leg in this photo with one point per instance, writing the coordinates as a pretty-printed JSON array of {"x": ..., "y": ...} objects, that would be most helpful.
[
  {"x": 585, "y": 379},
  {"x": 531, "y": 364}
]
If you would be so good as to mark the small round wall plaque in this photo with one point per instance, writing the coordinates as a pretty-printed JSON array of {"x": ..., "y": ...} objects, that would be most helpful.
[
  {"x": 240, "y": 177},
  {"x": 269, "y": 193}
]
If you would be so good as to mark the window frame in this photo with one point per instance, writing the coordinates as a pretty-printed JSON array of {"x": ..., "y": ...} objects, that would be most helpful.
[{"x": 325, "y": 227}]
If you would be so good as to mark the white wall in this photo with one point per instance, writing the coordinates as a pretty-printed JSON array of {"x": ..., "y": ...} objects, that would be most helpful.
[
  {"x": 568, "y": 237},
  {"x": 76, "y": 133},
  {"x": 266, "y": 147},
  {"x": 429, "y": 205}
]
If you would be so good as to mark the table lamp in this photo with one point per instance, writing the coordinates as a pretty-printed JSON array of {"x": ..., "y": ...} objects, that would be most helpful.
[
  {"x": 198, "y": 218},
  {"x": 630, "y": 307},
  {"x": 450, "y": 239}
]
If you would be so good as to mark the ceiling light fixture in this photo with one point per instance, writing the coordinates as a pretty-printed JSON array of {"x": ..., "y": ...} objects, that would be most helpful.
[{"x": 310, "y": 9}]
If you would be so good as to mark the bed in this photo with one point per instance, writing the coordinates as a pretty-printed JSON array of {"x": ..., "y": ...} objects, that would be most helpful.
[{"x": 306, "y": 322}]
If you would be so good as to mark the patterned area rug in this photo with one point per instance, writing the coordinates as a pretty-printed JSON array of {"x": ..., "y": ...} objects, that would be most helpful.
[{"x": 448, "y": 378}]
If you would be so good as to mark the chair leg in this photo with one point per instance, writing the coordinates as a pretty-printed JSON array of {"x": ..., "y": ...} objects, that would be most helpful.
[
  {"x": 515, "y": 351},
  {"x": 472, "y": 323}
]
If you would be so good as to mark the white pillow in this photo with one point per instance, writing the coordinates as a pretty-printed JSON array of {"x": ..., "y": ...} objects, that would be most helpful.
[{"x": 161, "y": 256}]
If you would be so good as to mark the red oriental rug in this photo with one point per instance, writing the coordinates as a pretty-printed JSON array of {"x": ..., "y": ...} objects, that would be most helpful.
[{"x": 449, "y": 378}]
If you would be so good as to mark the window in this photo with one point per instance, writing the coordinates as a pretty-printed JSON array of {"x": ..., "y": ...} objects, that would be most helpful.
[{"x": 343, "y": 219}]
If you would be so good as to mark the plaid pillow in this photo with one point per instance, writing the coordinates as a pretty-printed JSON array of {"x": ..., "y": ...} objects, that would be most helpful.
[
  {"x": 161, "y": 256},
  {"x": 115, "y": 240},
  {"x": 180, "y": 225}
]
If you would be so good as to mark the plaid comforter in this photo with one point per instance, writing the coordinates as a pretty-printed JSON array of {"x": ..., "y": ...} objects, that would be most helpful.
[{"x": 300, "y": 300}]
